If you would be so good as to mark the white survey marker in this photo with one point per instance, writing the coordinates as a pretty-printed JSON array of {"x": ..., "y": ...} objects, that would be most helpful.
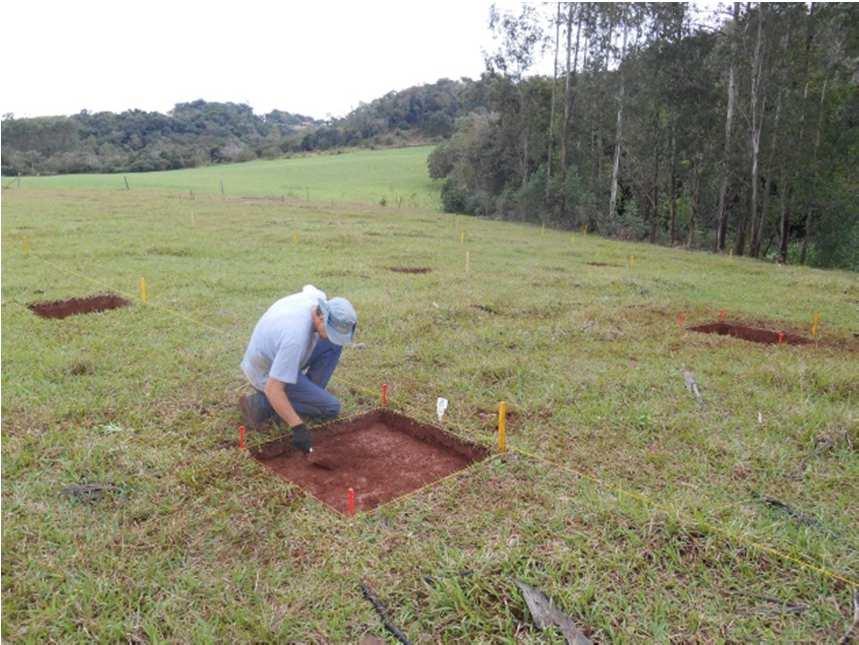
[{"x": 440, "y": 407}]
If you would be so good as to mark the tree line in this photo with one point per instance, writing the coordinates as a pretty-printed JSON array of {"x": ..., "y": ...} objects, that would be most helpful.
[
  {"x": 191, "y": 134},
  {"x": 736, "y": 131},
  {"x": 202, "y": 133}
]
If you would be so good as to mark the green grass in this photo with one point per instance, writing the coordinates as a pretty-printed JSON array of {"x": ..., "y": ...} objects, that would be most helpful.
[
  {"x": 638, "y": 517},
  {"x": 398, "y": 176}
]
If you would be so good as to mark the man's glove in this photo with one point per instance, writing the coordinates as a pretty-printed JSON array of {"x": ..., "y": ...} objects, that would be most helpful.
[{"x": 301, "y": 439}]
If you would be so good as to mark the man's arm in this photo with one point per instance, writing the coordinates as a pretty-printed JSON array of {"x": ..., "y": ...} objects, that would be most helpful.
[{"x": 276, "y": 394}]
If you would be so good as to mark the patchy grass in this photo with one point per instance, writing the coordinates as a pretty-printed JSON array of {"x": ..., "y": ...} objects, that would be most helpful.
[{"x": 639, "y": 513}]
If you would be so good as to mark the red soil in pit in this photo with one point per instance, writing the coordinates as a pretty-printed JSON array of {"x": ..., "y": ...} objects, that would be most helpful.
[
  {"x": 74, "y": 306},
  {"x": 752, "y": 334},
  {"x": 381, "y": 455}
]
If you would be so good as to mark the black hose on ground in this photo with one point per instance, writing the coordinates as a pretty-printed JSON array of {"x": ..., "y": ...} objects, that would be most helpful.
[{"x": 383, "y": 614}]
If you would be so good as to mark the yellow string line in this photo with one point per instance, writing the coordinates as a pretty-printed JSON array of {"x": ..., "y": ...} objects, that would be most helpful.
[
  {"x": 45, "y": 397},
  {"x": 643, "y": 499},
  {"x": 133, "y": 298},
  {"x": 638, "y": 496},
  {"x": 739, "y": 537},
  {"x": 456, "y": 473}
]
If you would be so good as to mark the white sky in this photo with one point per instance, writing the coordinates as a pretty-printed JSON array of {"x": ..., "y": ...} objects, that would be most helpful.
[{"x": 314, "y": 58}]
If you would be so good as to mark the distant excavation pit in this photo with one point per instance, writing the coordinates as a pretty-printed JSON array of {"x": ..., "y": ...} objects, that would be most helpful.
[
  {"x": 410, "y": 269},
  {"x": 74, "y": 306},
  {"x": 752, "y": 334}
]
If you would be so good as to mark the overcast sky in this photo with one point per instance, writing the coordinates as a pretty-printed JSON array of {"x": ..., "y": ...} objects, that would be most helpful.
[{"x": 308, "y": 57}]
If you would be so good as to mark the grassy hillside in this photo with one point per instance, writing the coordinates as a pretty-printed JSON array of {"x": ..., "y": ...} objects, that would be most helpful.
[
  {"x": 641, "y": 511},
  {"x": 399, "y": 176}
]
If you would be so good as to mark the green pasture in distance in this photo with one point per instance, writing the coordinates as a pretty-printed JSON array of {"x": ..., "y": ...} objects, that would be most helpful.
[
  {"x": 192, "y": 541},
  {"x": 397, "y": 175}
]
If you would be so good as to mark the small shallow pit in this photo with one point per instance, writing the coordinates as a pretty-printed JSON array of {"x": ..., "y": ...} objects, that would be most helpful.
[
  {"x": 382, "y": 455},
  {"x": 410, "y": 269},
  {"x": 752, "y": 334},
  {"x": 74, "y": 306}
]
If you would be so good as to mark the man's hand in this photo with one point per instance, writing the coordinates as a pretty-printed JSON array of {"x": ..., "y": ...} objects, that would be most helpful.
[{"x": 301, "y": 439}]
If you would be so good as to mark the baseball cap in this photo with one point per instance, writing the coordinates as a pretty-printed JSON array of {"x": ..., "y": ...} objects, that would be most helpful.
[{"x": 340, "y": 320}]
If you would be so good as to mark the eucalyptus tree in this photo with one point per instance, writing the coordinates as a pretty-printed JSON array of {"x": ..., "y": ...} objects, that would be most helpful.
[
  {"x": 757, "y": 106},
  {"x": 574, "y": 12},
  {"x": 521, "y": 38},
  {"x": 732, "y": 35}
]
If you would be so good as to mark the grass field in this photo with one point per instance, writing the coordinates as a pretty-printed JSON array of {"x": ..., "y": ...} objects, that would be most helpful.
[
  {"x": 637, "y": 508},
  {"x": 397, "y": 176}
]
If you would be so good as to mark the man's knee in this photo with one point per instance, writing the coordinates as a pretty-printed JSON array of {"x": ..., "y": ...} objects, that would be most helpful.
[{"x": 330, "y": 408}]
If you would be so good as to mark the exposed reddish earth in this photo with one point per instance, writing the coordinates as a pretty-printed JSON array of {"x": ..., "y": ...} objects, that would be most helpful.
[
  {"x": 74, "y": 306},
  {"x": 381, "y": 455},
  {"x": 753, "y": 334}
]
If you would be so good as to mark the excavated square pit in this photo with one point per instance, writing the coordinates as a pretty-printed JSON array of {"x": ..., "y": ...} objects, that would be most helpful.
[
  {"x": 381, "y": 455},
  {"x": 75, "y": 306}
]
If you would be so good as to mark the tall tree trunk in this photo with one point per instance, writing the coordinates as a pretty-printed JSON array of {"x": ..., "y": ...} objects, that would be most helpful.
[
  {"x": 755, "y": 133},
  {"x": 672, "y": 190},
  {"x": 569, "y": 95},
  {"x": 784, "y": 224},
  {"x": 742, "y": 228},
  {"x": 526, "y": 131},
  {"x": 525, "y": 157},
  {"x": 729, "y": 121},
  {"x": 813, "y": 201},
  {"x": 792, "y": 176},
  {"x": 654, "y": 221},
  {"x": 612, "y": 208},
  {"x": 552, "y": 109},
  {"x": 696, "y": 202},
  {"x": 758, "y": 237}
]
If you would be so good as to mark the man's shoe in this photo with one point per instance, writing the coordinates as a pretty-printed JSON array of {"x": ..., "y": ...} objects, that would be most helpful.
[{"x": 255, "y": 408}]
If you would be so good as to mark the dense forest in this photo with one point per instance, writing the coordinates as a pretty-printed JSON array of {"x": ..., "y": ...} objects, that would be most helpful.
[
  {"x": 736, "y": 133},
  {"x": 192, "y": 134},
  {"x": 201, "y": 133}
]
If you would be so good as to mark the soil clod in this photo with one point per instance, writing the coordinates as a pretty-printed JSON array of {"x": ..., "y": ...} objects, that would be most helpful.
[
  {"x": 753, "y": 334},
  {"x": 74, "y": 306}
]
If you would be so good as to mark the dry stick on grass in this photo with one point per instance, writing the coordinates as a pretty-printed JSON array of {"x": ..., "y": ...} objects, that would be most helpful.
[
  {"x": 383, "y": 614},
  {"x": 852, "y": 633},
  {"x": 545, "y": 614},
  {"x": 795, "y": 608},
  {"x": 88, "y": 492},
  {"x": 692, "y": 384},
  {"x": 799, "y": 516}
]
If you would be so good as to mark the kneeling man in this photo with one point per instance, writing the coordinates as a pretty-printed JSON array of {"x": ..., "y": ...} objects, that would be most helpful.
[{"x": 291, "y": 356}]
